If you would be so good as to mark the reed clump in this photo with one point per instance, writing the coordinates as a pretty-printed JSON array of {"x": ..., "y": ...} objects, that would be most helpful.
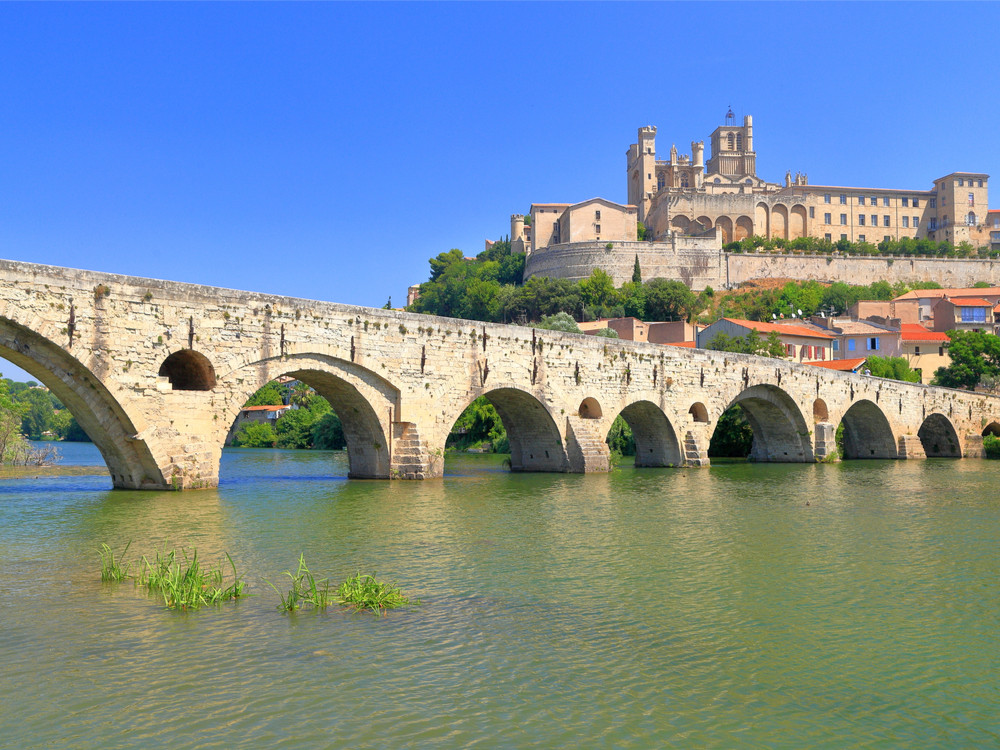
[
  {"x": 180, "y": 580},
  {"x": 360, "y": 592},
  {"x": 114, "y": 569}
]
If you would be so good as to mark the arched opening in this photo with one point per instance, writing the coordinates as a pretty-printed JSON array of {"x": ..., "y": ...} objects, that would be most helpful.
[
  {"x": 507, "y": 420},
  {"x": 864, "y": 432},
  {"x": 643, "y": 430},
  {"x": 188, "y": 370},
  {"x": 820, "y": 412},
  {"x": 769, "y": 420},
  {"x": 725, "y": 224},
  {"x": 762, "y": 220},
  {"x": 993, "y": 428},
  {"x": 797, "y": 223},
  {"x": 744, "y": 228},
  {"x": 698, "y": 412},
  {"x": 681, "y": 224},
  {"x": 95, "y": 409},
  {"x": 590, "y": 409},
  {"x": 938, "y": 437},
  {"x": 704, "y": 222},
  {"x": 779, "y": 222}
]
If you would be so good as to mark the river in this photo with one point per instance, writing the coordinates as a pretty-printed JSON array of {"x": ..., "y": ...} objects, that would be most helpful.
[{"x": 843, "y": 605}]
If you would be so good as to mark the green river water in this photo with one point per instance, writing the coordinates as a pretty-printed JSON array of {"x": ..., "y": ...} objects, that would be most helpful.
[{"x": 845, "y": 605}]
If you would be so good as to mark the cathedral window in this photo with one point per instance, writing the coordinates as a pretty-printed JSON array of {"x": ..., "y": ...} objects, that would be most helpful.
[
  {"x": 684, "y": 180},
  {"x": 661, "y": 181},
  {"x": 739, "y": 141},
  {"x": 730, "y": 140},
  {"x": 971, "y": 219}
]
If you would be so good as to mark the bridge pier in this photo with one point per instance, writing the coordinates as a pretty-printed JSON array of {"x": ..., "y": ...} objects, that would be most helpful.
[
  {"x": 973, "y": 446},
  {"x": 586, "y": 449},
  {"x": 910, "y": 447},
  {"x": 696, "y": 442},
  {"x": 826, "y": 442}
]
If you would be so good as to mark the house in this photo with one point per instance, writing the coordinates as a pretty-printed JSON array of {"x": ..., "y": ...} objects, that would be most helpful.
[
  {"x": 268, "y": 414},
  {"x": 803, "y": 342},
  {"x": 924, "y": 350},
  {"x": 633, "y": 329},
  {"x": 842, "y": 365},
  {"x": 963, "y": 314},
  {"x": 855, "y": 338},
  {"x": 922, "y": 301}
]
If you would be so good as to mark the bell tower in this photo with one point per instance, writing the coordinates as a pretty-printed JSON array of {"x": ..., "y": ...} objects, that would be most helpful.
[{"x": 732, "y": 149}]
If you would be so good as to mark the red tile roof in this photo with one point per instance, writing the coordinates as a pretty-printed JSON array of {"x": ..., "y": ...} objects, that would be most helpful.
[
  {"x": 992, "y": 291},
  {"x": 791, "y": 330},
  {"x": 916, "y": 332},
  {"x": 687, "y": 344},
  {"x": 970, "y": 302},
  {"x": 846, "y": 365},
  {"x": 271, "y": 407}
]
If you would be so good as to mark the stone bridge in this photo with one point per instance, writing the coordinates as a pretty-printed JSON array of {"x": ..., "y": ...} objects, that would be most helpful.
[{"x": 156, "y": 373}]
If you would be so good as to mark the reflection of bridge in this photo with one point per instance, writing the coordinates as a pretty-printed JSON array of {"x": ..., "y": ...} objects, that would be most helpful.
[{"x": 156, "y": 372}]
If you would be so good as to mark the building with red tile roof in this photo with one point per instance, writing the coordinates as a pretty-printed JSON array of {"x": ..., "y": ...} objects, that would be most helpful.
[{"x": 802, "y": 341}]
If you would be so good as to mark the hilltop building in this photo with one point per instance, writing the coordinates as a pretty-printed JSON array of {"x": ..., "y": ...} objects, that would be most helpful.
[{"x": 691, "y": 206}]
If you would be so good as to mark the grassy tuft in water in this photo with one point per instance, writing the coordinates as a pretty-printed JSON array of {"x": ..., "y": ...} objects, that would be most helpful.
[
  {"x": 305, "y": 590},
  {"x": 186, "y": 584},
  {"x": 112, "y": 569},
  {"x": 367, "y": 592}
]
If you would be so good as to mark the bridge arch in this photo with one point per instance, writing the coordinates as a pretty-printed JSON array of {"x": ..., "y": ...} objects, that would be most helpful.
[
  {"x": 780, "y": 433},
  {"x": 188, "y": 370},
  {"x": 125, "y": 449},
  {"x": 366, "y": 403},
  {"x": 938, "y": 437},
  {"x": 590, "y": 408},
  {"x": 867, "y": 432},
  {"x": 993, "y": 428},
  {"x": 536, "y": 443},
  {"x": 656, "y": 442}
]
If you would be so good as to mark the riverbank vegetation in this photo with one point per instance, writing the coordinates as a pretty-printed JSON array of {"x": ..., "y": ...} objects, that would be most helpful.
[
  {"x": 310, "y": 424},
  {"x": 489, "y": 288}
]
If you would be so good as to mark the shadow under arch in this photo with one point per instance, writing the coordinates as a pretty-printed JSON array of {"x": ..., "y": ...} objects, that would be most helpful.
[
  {"x": 656, "y": 442},
  {"x": 535, "y": 441},
  {"x": 867, "y": 433},
  {"x": 188, "y": 370},
  {"x": 365, "y": 402},
  {"x": 993, "y": 428},
  {"x": 938, "y": 437},
  {"x": 128, "y": 458},
  {"x": 780, "y": 433}
]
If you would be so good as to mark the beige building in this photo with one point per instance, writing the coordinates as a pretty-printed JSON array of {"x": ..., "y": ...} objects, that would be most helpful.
[
  {"x": 594, "y": 220},
  {"x": 633, "y": 329},
  {"x": 924, "y": 350},
  {"x": 689, "y": 195}
]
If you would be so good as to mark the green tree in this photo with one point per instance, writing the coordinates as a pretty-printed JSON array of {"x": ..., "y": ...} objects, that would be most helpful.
[
  {"x": 272, "y": 394},
  {"x": 559, "y": 322},
  {"x": 733, "y": 436},
  {"x": 598, "y": 290},
  {"x": 894, "y": 368},
  {"x": 37, "y": 415},
  {"x": 669, "y": 300},
  {"x": 294, "y": 429},
  {"x": 255, "y": 435},
  {"x": 974, "y": 356},
  {"x": 751, "y": 343},
  {"x": 328, "y": 433},
  {"x": 636, "y": 270}
]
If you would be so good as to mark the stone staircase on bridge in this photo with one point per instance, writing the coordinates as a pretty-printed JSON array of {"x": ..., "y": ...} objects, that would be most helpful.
[
  {"x": 409, "y": 458},
  {"x": 586, "y": 448}
]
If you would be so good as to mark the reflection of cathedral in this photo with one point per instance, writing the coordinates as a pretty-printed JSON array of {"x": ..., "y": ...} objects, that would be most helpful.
[{"x": 687, "y": 195}]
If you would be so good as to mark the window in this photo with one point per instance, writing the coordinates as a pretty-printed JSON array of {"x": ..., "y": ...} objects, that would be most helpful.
[
  {"x": 886, "y": 237},
  {"x": 980, "y": 183},
  {"x": 826, "y": 219},
  {"x": 970, "y": 220},
  {"x": 598, "y": 228},
  {"x": 972, "y": 199},
  {"x": 916, "y": 203},
  {"x": 906, "y": 202},
  {"x": 874, "y": 200},
  {"x": 861, "y": 220},
  {"x": 861, "y": 200},
  {"x": 916, "y": 221},
  {"x": 932, "y": 225},
  {"x": 790, "y": 350},
  {"x": 940, "y": 351},
  {"x": 843, "y": 220},
  {"x": 885, "y": 220},
  {"x": 873, "y": 344},
  {"x": 826, "y": 198},
  {"x": 996, "y": 222},
  {"x": 994, "y": 236},
  {"x": 597, "y": 215},
  {"x": 829, "y": 238},
  {"x": 649, "y": 176},
  {"x": 836, "y": 345},
  {"x": 812, "y": 212},
  {"x": 661, "y": 181},
  {"x": 850, "y": 345},
  {"x": 973, "y": 314},
  {"x": 916, "y": 351},
  {"x": 843, "y": 236},
  {"x": 933, "y": 202},
  {"x": 961, "y": 182},
  {"x": 874, "y": 220},
  {"x": 843, "y": 200},
  {"x": 906, "y": 222},
  {"x": 718, "y": 181},
  {"x": 739, "y": 141},
  {"x": 862, "y": 238},
  {"x": 730, "y": 141}
]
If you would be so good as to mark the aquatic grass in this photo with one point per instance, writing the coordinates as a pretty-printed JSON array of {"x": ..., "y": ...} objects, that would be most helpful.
[
  {"x": 186, "y": 584},
  {"x": 362, "y": 592},
  {"x": 305, "y": 589},
  {"x": 112, "y": 569}
]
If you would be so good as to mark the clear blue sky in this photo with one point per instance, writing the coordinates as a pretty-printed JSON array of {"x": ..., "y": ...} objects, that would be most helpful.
[{"x": 328, "y": 150}]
